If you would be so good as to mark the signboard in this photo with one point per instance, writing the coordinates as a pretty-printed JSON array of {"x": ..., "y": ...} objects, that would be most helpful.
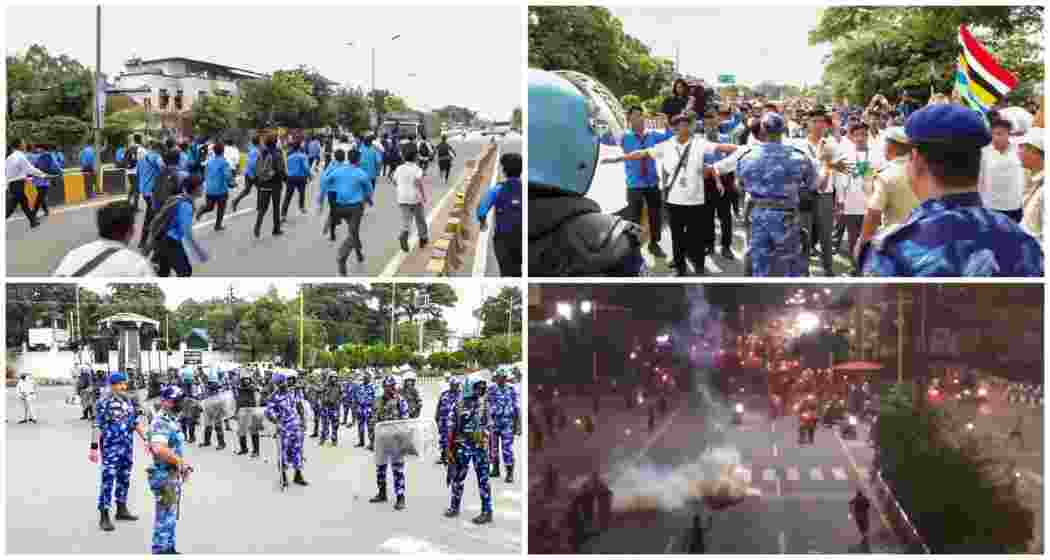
[
  {"x": 726, "y": 79},
  {"x": 192, "y": 357},
  {"x": 100, "y": 102},
  {"x": 41, "y": 337}
]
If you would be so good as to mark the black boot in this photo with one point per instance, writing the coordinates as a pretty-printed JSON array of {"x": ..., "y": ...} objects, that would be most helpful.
[
  {"x": 371, "y": 445},
  {"x": 510, "y": 475},
  {"x": 84, "y": 416},
  {"x": 451, "y": 512},
  {"x": 221, "y": 436},
  {"x": 255, "y": 446},
  {"x": 299, "y": 478},
  {"x": 104, "y": 523},
  {"x": 360, "y": 441},
  {"x": 207, "y": 436},
  {"x": 316, "y": 421},
  {"x": 193, "y": 433},
  {"x": 400, "y": 505},
  {"x": 380, "y": 497},
  {"x": 244, "y": 445},
  {"x": 485, "y": 517},
  {"x": 123, "y": 514},
  {"x": 404, "y": 241},
  {"x": 494, "y": 473}
]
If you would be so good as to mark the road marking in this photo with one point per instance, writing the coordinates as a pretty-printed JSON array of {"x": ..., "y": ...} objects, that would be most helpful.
[
  {"x": 793, "y": 474},
  {"x": 395, "y": 263},
  {"x": 85, "y": 206},
  {"x": 745, "y": 474},
  {"x": 670, "y": 545},
  {"x": 816, "y": 474},
  {"x": 782, "y": 542},
  {"x": 774, "y": 450},
  {"x": 839, "y": 473},
  {"x": 481, "y": 252},
  {"x": 769, "y": 475}
]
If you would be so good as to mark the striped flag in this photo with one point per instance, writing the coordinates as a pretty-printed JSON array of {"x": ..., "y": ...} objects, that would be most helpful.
[{"x": 980, "y": 80}]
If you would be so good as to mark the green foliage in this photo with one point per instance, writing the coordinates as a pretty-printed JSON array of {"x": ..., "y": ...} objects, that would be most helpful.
[
  {"x": 351, "y": 109},
  {"x": 630, "y": 100},
  {"x": 215, "y": 114},
  {"x": 955, "y": 494},
  {"x": 496, "y": 311},
  {"x": 890, "y": 49},
  {"x": 591, "y": 40},
  {"x": 40, "y": 85},
  {"x": 283, "y": 99},
  {"x": 29, "y": 131},
  {"x": 490, "y": 352},
  {"x": 394, "y": 104},
  {"x": 516, "y": 118}
]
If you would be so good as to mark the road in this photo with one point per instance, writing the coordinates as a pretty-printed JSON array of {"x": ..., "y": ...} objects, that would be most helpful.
[
  {"x": 800, "y": 494},
  {"x": 302, "y": 251},
  {"x": 233, "y": 504}
]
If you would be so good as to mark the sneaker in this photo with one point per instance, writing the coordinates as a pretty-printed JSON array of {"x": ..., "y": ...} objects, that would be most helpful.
[{"x": 728, "y": 254}]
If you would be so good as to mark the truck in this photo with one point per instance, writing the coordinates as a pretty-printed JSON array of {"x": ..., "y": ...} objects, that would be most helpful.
[{"x": 410, "y": 125}]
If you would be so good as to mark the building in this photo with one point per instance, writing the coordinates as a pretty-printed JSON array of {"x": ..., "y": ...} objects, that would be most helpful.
[{"x": 170, "y": 86}]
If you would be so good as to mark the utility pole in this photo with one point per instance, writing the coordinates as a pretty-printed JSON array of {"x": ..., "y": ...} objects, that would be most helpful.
[{"x": 98, "y": 110}]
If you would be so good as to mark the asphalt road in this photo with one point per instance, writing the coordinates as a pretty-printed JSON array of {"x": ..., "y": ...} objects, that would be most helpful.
[
  {"x": 233, "y": 503},
  {"x": 301, "y": 251},
  {"x": 800, "y": 494}
]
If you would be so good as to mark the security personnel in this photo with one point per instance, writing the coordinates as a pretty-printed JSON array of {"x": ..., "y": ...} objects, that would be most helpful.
[
  {"x": 568, "y": 234},
  {"x": 506, "y": 423},
  {"x": 411, "y": 394},
  {"x": 468, "y": 443},
  {"x": 328, "y": 401},
  {"x": 443, "y": 410},
  {"x": 169, "y": 470},
  {"x": 350, "y": 401},
  {"x": 391, "y": 406},
  {"x": 366, "y": 396},
  {"x": 950, "y": 233},
  {"x": 892, "y": 199},
  {"x": 773, "y": 174},
  {"x": 116, "y": 418},
  {"x": 249, "y": 416},
  {"x": 505, "y": 198},
  {"x": 281, "y": 409}
]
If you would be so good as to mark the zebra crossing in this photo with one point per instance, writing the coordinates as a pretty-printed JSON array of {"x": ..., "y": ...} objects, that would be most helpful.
[{"x": 751, "y": 474}]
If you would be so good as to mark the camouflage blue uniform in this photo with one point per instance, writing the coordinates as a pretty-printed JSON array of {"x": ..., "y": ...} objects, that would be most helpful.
[
  {"x": 446, "y": 402},
  {"x": 281, "y": 410},
  {"x": 329, "y": 403},
  {"x": 365, "y": 397},
  {"x": 389, "y": 409},
  {"x": 350, "y": 401},
  {"x": 953, "y": 236},
  {"x": 468, "y": 432},
  {"x": 116, "y": 418},
  {"x": 503, "y": 403},
  {"x": 774, "y": 174},
  {"x": 164, "y": 481}
]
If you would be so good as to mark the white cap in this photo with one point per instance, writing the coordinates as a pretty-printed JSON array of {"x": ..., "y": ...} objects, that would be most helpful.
[{"x": 1034, "y": 138}]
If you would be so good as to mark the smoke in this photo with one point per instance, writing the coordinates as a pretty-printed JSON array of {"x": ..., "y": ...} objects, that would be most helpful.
[{"x": 713, "y": 478}]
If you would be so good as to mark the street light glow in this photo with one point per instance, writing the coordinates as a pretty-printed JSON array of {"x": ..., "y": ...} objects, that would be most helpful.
[
  {"x": 807, "y": 321},
  {"x": 662, "y": 339},
  {"x": 585, "y": 307},
  {"x": 565, "y": 310}
]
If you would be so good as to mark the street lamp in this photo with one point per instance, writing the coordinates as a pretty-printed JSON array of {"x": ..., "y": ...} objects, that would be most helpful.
[
  {"x": 585, "y": 307},
  {"x": 565, "y": 310},
  {"x": 375, "y": 104}
]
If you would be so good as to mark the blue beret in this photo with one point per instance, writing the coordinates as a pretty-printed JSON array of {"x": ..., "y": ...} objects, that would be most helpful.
[
  {"x": 948, "y": 124},
  {"x": 773, "y": 123},
  {"x": 118, "y": 377}
]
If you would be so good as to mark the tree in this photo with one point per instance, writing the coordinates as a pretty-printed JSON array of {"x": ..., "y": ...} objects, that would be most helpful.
[
  {"x": 494, "y": 312},
  {"x": 283, "y": 99},
  {"x": 630, "y": 100},
  {"x": 394, "y": 104},
  {"x": 515, "y": 118},
  {"x": 213, "y": 115},
  {"x": 351, "y": 109},
  {"x": 40, "y": 85},
  {"x": 892, "y": 49}
]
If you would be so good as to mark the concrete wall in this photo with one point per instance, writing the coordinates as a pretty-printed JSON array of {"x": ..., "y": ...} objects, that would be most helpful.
[{"x": 59, "y": 364}]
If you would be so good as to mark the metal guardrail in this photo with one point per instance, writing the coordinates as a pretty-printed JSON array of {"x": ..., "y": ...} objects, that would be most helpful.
[{"x": 903, "y": 525}]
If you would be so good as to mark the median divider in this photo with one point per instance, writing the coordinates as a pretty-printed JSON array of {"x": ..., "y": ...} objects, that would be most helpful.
[{"x": 72, "y": 188}]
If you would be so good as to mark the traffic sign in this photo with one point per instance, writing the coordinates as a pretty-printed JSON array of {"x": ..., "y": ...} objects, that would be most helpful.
[{"x": 727, "y": 79}]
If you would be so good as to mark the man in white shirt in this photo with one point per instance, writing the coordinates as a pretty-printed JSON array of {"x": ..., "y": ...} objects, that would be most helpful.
[
  {"x": 1033, "y": 158},
  {"x": 109, "y": 256},
  {"x": 690, "y": 215},
  {"x": 855, "y": 185},
  {"x": 17, "y": 169},
  {"x": 826, "y": 157},
  {"x": 412, "y": 198},
  {"x": 26, "y": 390},
  {"x": 1001, "y": 182}
]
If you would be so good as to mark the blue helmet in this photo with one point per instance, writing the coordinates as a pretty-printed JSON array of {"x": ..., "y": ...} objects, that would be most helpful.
[
  {"x": 171, "y": 393},
  {"x": 279, "y": 377},
  {"x": 563, "y": 142},
  {"x": 118, "y": 377}
]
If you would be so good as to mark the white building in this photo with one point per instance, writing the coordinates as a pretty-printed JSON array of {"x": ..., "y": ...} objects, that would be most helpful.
[{"x": 175, "y": 84}]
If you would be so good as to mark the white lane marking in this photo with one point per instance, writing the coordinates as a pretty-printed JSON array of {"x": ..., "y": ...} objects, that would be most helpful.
[
  {"x": 793, "y": 474},
  {"x": 395, "y": 263},
  {"x": 769, "y": 475},
  {"x": 481, "y": 252},
  {"x": 782, "y": 542},
  {"x": 95, "y": 203},
  {"x": 744, "y": 474},
  {"x": 839, "y": 473},
  {"x": 410, "y": 545},
  {"x": 816, "y": 474}
]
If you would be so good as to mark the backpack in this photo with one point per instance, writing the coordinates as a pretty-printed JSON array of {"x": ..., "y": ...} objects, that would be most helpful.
[
  {"x": 444, "y": 151},
  {"x": 424, "y": 150},
  {"x": 264, "y": 167},
  {"x": 158, "y": 228},
  {"x": 165, "y": 185}
]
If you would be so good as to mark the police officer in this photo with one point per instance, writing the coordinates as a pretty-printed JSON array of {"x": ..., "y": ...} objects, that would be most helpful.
[
  {"x": 214, "y": 412},
  {"x": 411, "y": 394},
  {"x": 505, "y": 198},
  {"x": 169, "y": 471},
  {"x": 950, "y": 233},
  {"x": 506, "y": 423},
  {"x": 329, "y": 409},
  {"x": 314, "y": 388},
  {"x": 249, "y": 416},
  {"x": 446, "y": 402},
  {"x": 468, "y": 443},
  {"x": 191, "y": 405},
  {"x": 366, "y": 396},
  {"x": 568, "y": 234},
  {"x": 774, "y": 174},
  {"x": 281, "y": 409},
  {"x": 86, "y": 392},
  {"x": 391, "y": 406},
  {"x": 116, "y": 418},
  {"x": 349, "y": 401}
]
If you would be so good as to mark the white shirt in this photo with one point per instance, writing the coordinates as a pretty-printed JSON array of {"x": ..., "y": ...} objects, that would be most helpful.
[
  {"x": 852, "y": 191},
  {"x": 18, "y": 167},
  {"x": 688, "y": 189},
  {"x": 1001, "y": 183},
  {"x": 405, "y": 178},
  {"x": 816, "y": 157},
  {"x": 123, "y": 263},
  {"x": 232, "y": 155},
  {"x": 26, "y": 388}
]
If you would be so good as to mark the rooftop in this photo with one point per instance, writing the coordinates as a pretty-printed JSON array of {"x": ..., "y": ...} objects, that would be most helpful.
[{"x": 199, "y": 63}]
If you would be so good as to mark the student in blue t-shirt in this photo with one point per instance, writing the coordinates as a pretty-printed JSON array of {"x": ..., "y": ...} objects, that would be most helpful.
[
  {"x": 171, "y": 252},
  {"x": 217, "y": 177},
  {"x": 505, "y": 199}
]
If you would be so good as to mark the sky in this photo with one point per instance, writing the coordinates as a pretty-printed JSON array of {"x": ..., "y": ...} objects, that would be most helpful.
[
  {"x": 460, "y": 318},
  {"x": 755, "y": 43},
  {"x": 456, "y": 61}
]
